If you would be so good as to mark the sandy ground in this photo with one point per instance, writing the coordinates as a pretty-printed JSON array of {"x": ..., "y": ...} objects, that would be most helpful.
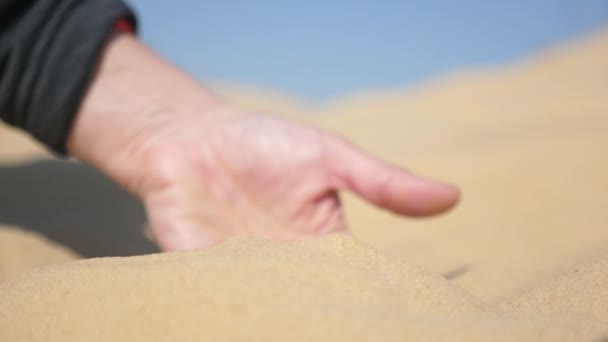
[
  {"x": 22, "y": 251},
  {"x": 524, "y": 256}
]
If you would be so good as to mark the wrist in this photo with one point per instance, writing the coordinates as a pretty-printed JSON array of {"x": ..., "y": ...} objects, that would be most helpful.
[{"x": 133, "y": 93}]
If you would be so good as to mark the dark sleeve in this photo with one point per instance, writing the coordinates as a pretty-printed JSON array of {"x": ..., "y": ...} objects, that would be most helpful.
[{"x": 49, "y": 51}]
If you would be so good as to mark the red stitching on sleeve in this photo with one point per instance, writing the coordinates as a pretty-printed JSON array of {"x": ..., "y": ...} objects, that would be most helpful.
[{"x": 123, "y": 25}]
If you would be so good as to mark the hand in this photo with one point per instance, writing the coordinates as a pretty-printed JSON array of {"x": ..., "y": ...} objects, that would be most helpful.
[
  {"x": 252, "y": 174},
  {"x": 207, "y": 172}
]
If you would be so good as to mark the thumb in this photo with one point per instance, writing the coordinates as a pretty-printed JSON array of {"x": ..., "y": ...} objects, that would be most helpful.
[{"x": 386, "y": 185}]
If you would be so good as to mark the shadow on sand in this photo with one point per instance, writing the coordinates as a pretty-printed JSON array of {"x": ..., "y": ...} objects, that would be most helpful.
[{"x": 75, "y": 206}]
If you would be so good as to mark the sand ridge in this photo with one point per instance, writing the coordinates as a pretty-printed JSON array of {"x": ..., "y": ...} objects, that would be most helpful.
[
  {"x": 582, "y": 291},
  {"x": 325, "y": 289}
]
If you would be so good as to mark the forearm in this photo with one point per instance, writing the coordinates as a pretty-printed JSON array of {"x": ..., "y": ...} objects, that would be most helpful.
[{"x": 133, "y": 92}]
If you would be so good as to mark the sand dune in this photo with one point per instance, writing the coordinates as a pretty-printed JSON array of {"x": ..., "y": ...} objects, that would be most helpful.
[
  {"x": 525, "y": 254},
  {"x": 324, "y": 290}
]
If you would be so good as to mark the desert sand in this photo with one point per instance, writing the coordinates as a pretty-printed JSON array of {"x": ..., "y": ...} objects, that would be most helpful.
[
  {"x": 523, "y": 257},
  {"x": 21, "y": 251}
]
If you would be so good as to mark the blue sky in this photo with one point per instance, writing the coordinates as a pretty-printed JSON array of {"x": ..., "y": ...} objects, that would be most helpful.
[{"x": 322, "y": 49}]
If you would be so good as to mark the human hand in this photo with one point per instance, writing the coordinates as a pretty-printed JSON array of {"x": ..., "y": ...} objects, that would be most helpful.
[{"x": 206, "y": 171}]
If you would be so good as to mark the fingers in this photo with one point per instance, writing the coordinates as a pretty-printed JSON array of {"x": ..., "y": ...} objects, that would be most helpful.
[{"x": 386, "y": 185}]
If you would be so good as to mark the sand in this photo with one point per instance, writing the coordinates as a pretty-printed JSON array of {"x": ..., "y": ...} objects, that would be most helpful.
[
  {"x": 16, "y": 147},
  {"x": 583, "y": 291},
  {"x": 328, "y": 289},
  {"x": 523, "y": 257},
  {"x": 21, "y": 251}
]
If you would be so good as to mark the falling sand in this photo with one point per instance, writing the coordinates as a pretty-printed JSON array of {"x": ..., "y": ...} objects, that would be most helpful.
[{"x": 524, "y": 257}]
